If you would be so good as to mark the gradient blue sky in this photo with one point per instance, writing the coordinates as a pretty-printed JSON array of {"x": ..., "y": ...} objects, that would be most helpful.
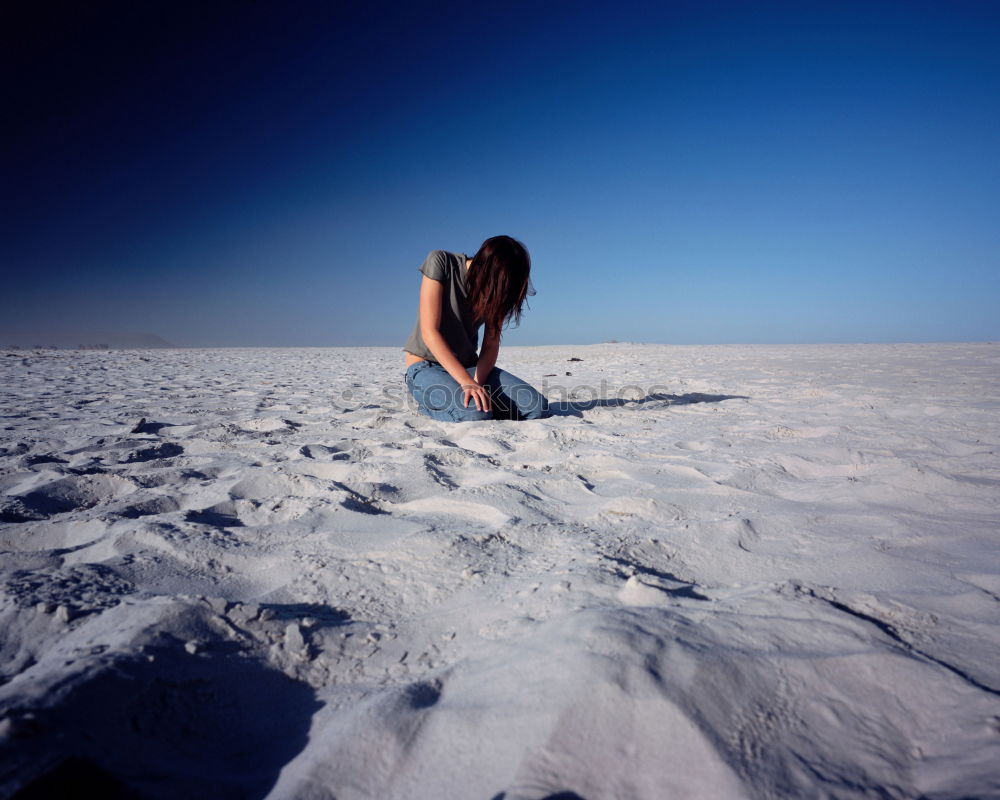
[{"x": 689, "y": 172}]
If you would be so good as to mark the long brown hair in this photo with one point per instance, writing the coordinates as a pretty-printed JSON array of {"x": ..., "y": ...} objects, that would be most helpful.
[{"x": 499, "y": 280}]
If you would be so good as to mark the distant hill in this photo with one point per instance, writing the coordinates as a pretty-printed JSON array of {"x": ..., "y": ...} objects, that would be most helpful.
[{"x": 71, "y": 339}]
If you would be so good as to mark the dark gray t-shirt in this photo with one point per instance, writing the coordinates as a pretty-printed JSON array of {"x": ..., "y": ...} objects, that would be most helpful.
[{"x": 458, "y": 326}]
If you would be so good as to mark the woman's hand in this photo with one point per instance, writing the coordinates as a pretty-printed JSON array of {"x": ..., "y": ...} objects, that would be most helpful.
[
  {"x": 478, "y": 394},
  {"x": 431, "y": 300}
]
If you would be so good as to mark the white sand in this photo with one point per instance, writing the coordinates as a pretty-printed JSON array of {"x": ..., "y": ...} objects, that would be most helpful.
[{"x": 287, "y": 584}]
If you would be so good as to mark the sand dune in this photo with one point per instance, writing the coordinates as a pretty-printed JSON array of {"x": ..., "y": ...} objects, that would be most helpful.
[{"x": 739, "y": 571}]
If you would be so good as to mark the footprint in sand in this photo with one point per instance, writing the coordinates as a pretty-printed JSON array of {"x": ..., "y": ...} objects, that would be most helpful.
[
  {"x": 697, "y": 447},
  {"x": 328, "y": 462},
  {"x": 82, "y": 588},
  {"x": 154, "y": 453},
  {"x": 72, "y": 493},
  {"x": 267, "y": 425},
  {"x": 51, "y": 535},
  {"x": 161, "y": 504},
  {"x": 323, "y": 452},
  {"x": 480, "y": 512},
  {"x": 221, "y": 515}
]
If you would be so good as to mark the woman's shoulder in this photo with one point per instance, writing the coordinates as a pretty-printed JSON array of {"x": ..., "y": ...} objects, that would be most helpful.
[
  {"x": 440, "y": 263},
  {"x": 446, "y": 256}
]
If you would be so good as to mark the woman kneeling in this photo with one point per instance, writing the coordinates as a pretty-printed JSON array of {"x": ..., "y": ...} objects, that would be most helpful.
[{"x": 458, "y": 295}]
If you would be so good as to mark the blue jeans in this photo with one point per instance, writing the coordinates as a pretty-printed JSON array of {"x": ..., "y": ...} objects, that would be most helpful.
[{"x": 439, "y": 396}]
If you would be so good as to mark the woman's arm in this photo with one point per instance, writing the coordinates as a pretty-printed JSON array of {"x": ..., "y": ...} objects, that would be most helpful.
[
  {"x": 431, "y": 299},
  {"x": 487, "y": 354}
]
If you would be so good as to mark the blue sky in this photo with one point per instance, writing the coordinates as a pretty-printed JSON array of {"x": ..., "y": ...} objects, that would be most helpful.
[{"x": 687, "y": 172}]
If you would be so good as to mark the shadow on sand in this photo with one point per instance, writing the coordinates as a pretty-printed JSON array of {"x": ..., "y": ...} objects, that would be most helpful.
[
  {"x": 575, "y": 408},
  {"x": 167, "y": 725}
]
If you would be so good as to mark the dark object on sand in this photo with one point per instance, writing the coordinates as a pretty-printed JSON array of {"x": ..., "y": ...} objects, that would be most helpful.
[{"x": 574, "y": 358}]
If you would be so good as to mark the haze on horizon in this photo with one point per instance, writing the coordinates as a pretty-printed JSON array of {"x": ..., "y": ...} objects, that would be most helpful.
[{"x": 681, "y": 172}]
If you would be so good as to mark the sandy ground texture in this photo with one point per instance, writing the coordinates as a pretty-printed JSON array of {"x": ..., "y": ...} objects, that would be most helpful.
[{"x": 716, "y": 572}]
